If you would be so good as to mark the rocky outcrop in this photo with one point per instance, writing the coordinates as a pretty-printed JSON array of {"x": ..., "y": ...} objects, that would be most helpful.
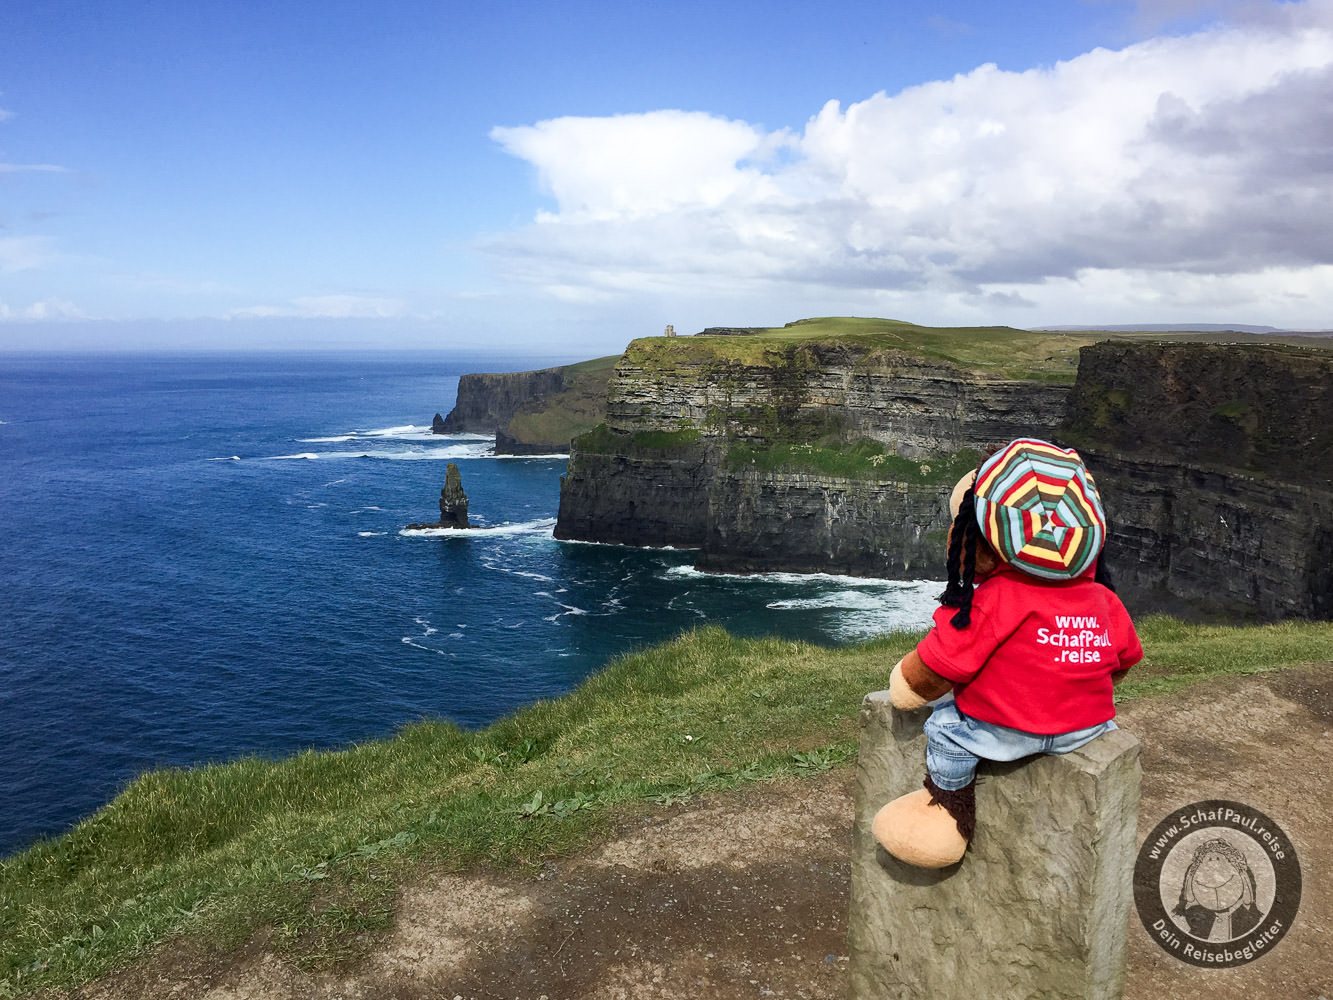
[
  {"x": 634, "y": 496},
  {"x": 453, "y": 502},
  {"x": 531, "y": 413},
  {"x": 805, "y": 523},
  {"x": 1213, "y": 466},
  {"x": 437, "y": 426},
  {"x": 488, "y": 401}
]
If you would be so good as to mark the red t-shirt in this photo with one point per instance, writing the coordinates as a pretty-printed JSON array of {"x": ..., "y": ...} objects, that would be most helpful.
[{"x": 1038, "y": 655}]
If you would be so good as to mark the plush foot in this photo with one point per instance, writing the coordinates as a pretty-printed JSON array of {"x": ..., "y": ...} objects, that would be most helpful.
[{"x": 926, "y": 827}]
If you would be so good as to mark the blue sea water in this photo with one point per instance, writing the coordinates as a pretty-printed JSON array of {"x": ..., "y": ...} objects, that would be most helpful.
[{"x": 202, "y": 559}]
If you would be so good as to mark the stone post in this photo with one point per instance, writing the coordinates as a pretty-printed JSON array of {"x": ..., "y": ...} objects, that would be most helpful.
[{"x": 1039, "y": 906}]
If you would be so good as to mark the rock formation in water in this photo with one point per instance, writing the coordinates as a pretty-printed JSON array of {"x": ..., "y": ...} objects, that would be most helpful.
[
  {"x": 437, "y": 426},
  {"x": 453, "y": 502}
]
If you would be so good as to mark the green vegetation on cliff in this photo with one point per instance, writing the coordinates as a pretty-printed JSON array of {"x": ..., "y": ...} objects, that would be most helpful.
[
  {"x": 312, "y": 850},
  {"x": 862, "y": 459},
  {"x": 604, "y": 441},
  {"x": 997, "y": 351},
  {"x": 557, "y": 419}
]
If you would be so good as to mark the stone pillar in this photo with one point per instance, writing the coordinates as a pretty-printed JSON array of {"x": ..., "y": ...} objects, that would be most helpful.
[{"x": 1040, "y": 904}]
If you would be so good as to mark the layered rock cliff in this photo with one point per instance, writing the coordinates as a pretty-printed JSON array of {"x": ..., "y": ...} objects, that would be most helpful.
[
  {"x": 488, "y": 401},
  {"x": 663, "y": 469},
  {"x": 1213, "y": 463},
  {"x": 532, "y": 412},
  {"x": 1212, "y": 459}
]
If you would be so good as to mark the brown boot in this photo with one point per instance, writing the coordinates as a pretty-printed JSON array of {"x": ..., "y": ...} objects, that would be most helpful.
[{"x": 929, "y": 828}]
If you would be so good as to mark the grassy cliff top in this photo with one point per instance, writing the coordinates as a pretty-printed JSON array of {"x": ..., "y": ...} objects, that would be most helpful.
[
  {"x": 996, "y": 351},
  {"x": 310, "y": 852}
]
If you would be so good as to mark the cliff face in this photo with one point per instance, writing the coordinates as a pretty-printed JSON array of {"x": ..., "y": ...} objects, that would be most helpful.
[
  {"x": 534, "y": 412},
  {"x": 486, "y": 402},
  {"x": 914, "y": 406},
  {"x": 803, "y": 523},
  {"x": 1212, "y": 460},
  {"x": 1213, "y": 466},
  {"x": 788, "y": 518}
]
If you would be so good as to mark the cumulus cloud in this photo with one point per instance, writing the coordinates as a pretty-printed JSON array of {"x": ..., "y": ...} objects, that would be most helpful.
[
  {"x": 1209, "y": 155},
  {"x": 328, "y": 307}
]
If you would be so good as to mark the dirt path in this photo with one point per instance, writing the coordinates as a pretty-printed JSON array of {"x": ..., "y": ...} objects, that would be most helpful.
[{"x": 745, "y": 895}]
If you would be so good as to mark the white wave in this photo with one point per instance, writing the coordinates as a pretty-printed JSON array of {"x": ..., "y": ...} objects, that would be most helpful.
[
  {"x": 428, "y": 628},
  {"x": 371, "y": 534},
  {"x": 229, "y": 458},
  {"x": 520, "y": 458},
  {"x": 477, "y": 449},
  {"x": 569, "y": 610},
  {"x": 362, "y": 510},
  {"x": 622, "y": 545},
  {"x": 541, "y": 526},
  {"x": 855, "y": 600},
  {"x": 409, "y": 641},
  {"x": 690, "y": 573},
  {"x": 405, "y": 432}
]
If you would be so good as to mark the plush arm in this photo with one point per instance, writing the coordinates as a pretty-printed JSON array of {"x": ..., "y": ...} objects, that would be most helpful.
[{"x": 912, "y": 683}]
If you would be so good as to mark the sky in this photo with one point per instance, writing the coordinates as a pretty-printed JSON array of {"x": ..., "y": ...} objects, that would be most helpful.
[{"x": 565, "y": 176}]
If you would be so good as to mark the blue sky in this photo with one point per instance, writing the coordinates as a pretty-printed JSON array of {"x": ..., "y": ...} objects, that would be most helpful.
[{"x": 530, "y": 174}]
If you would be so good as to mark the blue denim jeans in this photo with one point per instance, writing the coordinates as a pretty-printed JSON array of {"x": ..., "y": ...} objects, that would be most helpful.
[{"x": 955, "y": 742}]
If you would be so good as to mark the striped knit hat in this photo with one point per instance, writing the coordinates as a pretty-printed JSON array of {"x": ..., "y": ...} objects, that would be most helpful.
[{"x": 1038, "y": 507}]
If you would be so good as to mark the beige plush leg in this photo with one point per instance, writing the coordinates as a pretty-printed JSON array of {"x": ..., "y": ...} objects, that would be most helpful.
[{"x": 921, "y": 834}]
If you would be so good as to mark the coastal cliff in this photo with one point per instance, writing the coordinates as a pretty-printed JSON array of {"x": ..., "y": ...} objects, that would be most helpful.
[
  {"x": 533, "y": 412},
  {"x": 1212, "y": 461},
  {"x": 813, "y": 451},
  {"x": 810, "y": 449}
]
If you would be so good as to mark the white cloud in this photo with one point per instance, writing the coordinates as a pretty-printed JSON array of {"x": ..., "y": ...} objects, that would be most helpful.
[
  {"x": 25, "y": 253},
  {"x": 45, "y": 309},
  {"x": 328, "y": 307},
  {"x": 1194, "y": 166},
  {"x": 32, "y": 168}
]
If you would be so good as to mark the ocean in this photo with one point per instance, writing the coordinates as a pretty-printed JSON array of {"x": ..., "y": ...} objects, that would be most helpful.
[{"x": 203, "y": 559}]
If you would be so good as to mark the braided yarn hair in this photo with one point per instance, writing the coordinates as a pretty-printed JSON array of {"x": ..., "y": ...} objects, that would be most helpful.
[{"x": 962, "y": 561}]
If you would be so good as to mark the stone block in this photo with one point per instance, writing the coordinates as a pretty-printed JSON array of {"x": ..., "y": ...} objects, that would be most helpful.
[{"x": 1039, "y": 906}]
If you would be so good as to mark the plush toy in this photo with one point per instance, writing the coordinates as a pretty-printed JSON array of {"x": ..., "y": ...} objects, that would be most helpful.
[{"x": 1027, "y": 644}]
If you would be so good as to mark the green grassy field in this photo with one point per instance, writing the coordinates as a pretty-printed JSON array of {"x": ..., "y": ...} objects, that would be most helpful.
[
  {"x": 312, "y": 849},
  {"x": 998, "y": 351}
]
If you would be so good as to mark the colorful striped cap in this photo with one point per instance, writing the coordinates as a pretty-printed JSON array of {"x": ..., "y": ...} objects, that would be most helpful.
[{"x": 1038, "y": 507}]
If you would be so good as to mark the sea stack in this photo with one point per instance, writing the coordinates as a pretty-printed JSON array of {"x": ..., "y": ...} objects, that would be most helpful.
[
  {"x": 453, "y": 501},
  {"x": 437, "y": 425}
]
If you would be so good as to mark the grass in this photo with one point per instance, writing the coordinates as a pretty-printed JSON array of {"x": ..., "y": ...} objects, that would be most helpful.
[
  {"x": 560, "y": 417},
  {"x": 863, "y": 460},
  {"x": 602, "y": 440},
  {"x": 312, "y": 849},
  {"x": 997, "y": 351}
]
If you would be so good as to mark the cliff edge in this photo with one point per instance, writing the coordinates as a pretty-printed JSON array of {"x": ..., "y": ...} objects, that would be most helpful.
[{"x": 532, "y": 412}]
